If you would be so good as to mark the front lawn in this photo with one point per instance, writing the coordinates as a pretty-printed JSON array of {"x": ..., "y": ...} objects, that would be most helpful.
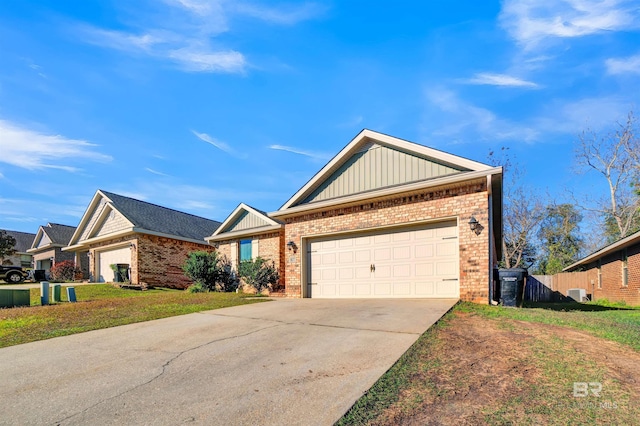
[
  {"x": 549, "y": 364},
  {"x": 103, "y": 306}
]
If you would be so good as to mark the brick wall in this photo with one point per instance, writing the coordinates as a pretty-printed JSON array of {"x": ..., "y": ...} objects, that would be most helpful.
[
  {"x": 114, "y": 243},
  {"x": 270, "y": 246},
  {"x": 462, "y": 201},
  {"x": 611, "y": 270},
  {"x": 160, "y": 260}
]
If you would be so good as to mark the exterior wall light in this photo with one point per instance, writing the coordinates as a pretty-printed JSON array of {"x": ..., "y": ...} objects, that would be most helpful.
[
  {"x": 475, "y": 226},
  {"x": 292, "y": 246}
]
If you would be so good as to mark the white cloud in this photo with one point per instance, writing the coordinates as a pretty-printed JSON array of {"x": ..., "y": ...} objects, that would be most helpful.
[
  {"x": 218, "y": 144},
  {"x": 499, "y": 80},
  {"x": 207, "y": 61},
  {"x": 314, "y": 155},
  {"x": 531, "y": 21},
  {"x": 466, "y": 122},
  {"x": 32, "y": 150},
  {"x": 155, "y": 172},
  {"x": 288, "y": 15},
  {"x": 184, "y": 32},
  {"x": 629, "y": 65}
]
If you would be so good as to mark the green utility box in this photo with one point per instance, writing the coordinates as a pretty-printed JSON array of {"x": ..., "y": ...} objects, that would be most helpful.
[
  {"x": 10, "y": 298},
  {"x": 55, "y": 294}
]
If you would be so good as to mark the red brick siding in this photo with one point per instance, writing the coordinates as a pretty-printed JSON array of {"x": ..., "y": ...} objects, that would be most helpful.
[
  {"x": 160, "y": 260},
  {"x": 612, "y": 288},
  {"x": 463, "y": 201},
  {"x": 156, "y": 261},
  {"x": 270, "y": 246}
]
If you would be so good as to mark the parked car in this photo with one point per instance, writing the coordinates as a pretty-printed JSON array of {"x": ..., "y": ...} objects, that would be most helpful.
[{"x": 12, "y": 274}]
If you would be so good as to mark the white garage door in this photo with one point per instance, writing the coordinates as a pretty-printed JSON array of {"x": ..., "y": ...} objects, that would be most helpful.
[
  {"x": 106, "y": 258},
  {"x": 416, "y": 262}
]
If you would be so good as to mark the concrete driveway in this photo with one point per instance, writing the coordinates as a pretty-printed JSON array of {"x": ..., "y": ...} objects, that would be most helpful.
[{"x": 283, "y": 362}]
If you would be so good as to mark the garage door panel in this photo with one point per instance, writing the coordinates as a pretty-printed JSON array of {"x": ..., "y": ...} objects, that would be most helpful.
[
  {"x": 110, "y": 257},
  {"x": 423, "y": 251},
  {"x": 413, "y": 262}
]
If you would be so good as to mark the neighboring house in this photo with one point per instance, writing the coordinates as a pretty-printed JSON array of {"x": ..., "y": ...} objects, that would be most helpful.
[
  {"x": 249, "y": 233},
  {"x": 21, "y": 257},
  {"x": 46, "y": 247},
  {"x": 613, "y": 271},
  {"x": 387, "y": 218},
  {"x": 153, "y": 242}
]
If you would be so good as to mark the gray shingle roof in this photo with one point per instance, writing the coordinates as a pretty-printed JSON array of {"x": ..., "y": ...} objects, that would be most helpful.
[
  {"x": 59, "y": 234},
  {"x": 23, "y": 240},
  {"x": 152, "y": 217}
]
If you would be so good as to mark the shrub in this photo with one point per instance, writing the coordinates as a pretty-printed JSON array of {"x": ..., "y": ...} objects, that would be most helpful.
[
  {"x": 211, "y": 271},
  {"x": 196, "y": 288},
  {"x": 259, "y": 273},
  {"x": 65, "y": 271}
]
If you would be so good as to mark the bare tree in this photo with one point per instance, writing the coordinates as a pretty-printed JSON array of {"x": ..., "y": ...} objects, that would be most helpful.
[
  {"x": 522, "y": 213},
  {"x": 615, "y": 157}
]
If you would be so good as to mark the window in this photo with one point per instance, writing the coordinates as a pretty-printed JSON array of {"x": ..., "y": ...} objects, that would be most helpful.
[
  {"x": 599, "y": 273},
  {"x": 245, "y": 250},
  {"x": 625, "y": 269}
]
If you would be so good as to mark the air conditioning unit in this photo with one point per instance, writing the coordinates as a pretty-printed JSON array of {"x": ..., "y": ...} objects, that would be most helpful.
[{"x": 578, "y": 294}]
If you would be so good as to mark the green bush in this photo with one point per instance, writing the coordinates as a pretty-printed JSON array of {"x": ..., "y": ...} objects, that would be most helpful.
[
  {"x": 211, "y": 271},
  {"x": 259, "y": 274}
]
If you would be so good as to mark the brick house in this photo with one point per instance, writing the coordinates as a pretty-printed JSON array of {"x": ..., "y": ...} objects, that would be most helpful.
[
  {"x": 248, "y": 233},
  {"x": 46, "y": 247},
  {"x": 21, "y": 257},
  {"x": 151, "y": 241},
  {"x": 613, "y": 272},
  {"x": 386, "y": 218}
]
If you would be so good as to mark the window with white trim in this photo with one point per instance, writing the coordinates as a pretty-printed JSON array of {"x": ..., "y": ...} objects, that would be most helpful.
[
  {"x": 245, "y": 250},
  {"x": 599, "y": 273}
]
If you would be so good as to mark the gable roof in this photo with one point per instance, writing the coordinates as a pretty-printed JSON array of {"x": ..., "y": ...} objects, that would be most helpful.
[
  {"x": 148, "y": 218},
  {"x": 245, "y": 220},
  {"x": 58, "y": 235},
  {"x": 611, "y": 248},
  {"x": 403, "y": 166},
  {"x": 23, "y": 240}
]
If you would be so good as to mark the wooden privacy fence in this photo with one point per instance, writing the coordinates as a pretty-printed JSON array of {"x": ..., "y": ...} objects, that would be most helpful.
[{"x": 553, "y": 288}]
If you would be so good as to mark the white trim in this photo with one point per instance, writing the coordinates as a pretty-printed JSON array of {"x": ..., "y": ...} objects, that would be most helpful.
[
  {"x": 85, "y": 243},
  {"x": 618, "y": 245},
  {"x": 170, "y": 236},
  {"x": 362, "y": 138},
  {"x": 244, "y": 233},
  {"x": 386, "y": 192},
  {"x": 235, "y": 214},
  {"x": 37, "y": 239},
  {"x": 86, "y": 216}
]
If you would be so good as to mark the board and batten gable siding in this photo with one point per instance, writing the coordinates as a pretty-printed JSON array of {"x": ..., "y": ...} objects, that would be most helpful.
[
  {"x": 246, "y": 221},
  {"x": 377, "y": 166}
]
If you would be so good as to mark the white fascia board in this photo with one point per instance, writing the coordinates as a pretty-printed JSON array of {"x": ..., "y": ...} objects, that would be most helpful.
[
  {"x": 85, "y": 243},
  {"x": 618, "y": 245},
  {"x": 235, "y": 214},
  {"x": 47, "y": 247},
  {"x": 173, "y": 237},
  {"x": 36, "y": 240},
  {"x": 361, "y": 138},
  {"x": 85, "y": 217},
  {"x": 387, "y": 192},
  {"x": 244, "y": 232}
]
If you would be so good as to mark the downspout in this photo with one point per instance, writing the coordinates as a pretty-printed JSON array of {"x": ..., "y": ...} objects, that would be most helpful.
[{"x": 491, "y": 239}]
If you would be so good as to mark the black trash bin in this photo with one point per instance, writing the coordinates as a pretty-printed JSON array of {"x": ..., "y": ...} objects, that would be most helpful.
[
  {"x": 39, "y": 275},
  {"x": 122, "y": 273},
  {"x": 512, "y": 286}
]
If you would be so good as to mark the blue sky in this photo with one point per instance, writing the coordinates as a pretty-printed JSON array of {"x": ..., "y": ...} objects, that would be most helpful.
[{"x": 200, "y": 105}]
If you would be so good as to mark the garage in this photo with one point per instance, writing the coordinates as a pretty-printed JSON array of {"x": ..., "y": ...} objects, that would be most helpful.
[
  {"x": 416, "y": 262},
  {"x": 109, "y": 257}
]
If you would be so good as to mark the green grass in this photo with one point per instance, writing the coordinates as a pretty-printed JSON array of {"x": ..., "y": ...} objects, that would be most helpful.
[
  {"x": 425, "y": 371},
  {"x": 103, "y": 306}
]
